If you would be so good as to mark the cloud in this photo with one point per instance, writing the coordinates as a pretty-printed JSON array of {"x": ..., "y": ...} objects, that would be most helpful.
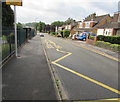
[{"x": 53, "y": 10}]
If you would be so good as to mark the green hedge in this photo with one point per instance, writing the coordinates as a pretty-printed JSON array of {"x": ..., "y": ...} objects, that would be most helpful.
[
  {"x": 107, "y": 45},
  {"x": 53, "y": 33},
  {"x": 111, "y": 39},
  {"x": 115, "y": 47},
  {"x": 91, "y": 37},
  {"x": 58, "y": 35},
  {"x": 66, "y": 33}
]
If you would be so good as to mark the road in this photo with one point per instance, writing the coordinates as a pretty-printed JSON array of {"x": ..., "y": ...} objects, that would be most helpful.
[{"x": 85, "y": 75}]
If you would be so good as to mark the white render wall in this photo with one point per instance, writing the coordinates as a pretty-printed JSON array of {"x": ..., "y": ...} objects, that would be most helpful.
[
  {"x": 100, "y": 32},
  {"x": 106, "y": 32}
]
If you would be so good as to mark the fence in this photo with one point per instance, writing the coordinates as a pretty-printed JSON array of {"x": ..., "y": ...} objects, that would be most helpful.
[{"x": 8, "y": 40}]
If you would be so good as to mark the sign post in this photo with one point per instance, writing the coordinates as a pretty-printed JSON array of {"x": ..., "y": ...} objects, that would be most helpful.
[
  {"x": 15, "y": 3},
  {"x": 16, "y": 51}
]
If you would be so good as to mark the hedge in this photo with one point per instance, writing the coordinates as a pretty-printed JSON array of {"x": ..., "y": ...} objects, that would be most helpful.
[
  {"x": 53, "y": 33},
  {"x": 66, "y": 33},
  {"x": 107, "y": 45},
  {"x": 111, "y": 39},
  {"x": 91, "y": 37}
]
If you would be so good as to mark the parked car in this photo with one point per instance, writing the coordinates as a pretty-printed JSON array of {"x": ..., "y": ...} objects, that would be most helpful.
[
  {"x": 75, "y": 36},
  {"x": 83, "y": 36},
  {"x": 41, "y": 35}
]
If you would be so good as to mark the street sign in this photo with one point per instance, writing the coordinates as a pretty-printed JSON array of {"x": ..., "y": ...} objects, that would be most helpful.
[{"x": 14, "y": 2}]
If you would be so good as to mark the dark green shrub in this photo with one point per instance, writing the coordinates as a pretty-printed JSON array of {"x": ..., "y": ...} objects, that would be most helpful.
[
  {"x": 53, "y": 33},
  {"x": 61, "y": 32},
  {"x": 66, "y": 33},
  {"x": 107, "y": 45},
  {"x": 115, "y": 47},
  {"x": 103, "y": 44},
  {"x": 100, "y": 38},
  {"x": 91, "y": 37},
  {"x": 111, "y": 39},
  {"x": 58, "y": 35}
]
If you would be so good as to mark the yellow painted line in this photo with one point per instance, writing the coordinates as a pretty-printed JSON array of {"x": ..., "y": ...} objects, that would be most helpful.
[
  {"x": 56, "y": 46},
  {"x": 81, "y": 75},
  {"x": 62, "y": 57},
  {"x": 87, "y": 78},
  {"x": 98, "y": 52},
  {"x": 113, "y": 99},
  {"x": 48, "y": 45}
]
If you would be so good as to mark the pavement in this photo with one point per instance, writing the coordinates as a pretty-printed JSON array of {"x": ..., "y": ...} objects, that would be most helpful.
[
  {"x": 85, "y": 74},
  {"x": 28, "y": 77}
]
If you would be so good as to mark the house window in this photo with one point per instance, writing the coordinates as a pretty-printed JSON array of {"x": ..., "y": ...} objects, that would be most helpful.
[
  {"x": 118, "y": 32},
  {"x": 66, "y": 27},
  {"x": 69, "y": 26},
  {"x": 80, "y": 25},
  {"x": 87, "y": 24}
]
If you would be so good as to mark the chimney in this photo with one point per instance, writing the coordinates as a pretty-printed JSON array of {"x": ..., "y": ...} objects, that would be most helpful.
[
  {"x": 115, "y": 17},
  {"x": 93, "y": 15}
]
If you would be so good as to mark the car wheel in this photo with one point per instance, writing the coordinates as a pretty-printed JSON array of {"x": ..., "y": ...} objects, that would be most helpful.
[{"x": 84, "y": 39}]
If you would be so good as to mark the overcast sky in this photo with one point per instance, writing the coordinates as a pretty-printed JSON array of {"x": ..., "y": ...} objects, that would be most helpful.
[{"x": 53, "y": 10}]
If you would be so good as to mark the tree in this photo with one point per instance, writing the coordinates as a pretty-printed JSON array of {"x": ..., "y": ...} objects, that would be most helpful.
[
  {"x": 40, "y": 26},
  {"x": 69, "y": 21},
  {"x": 7, "y": 16},
  {"x": 57, "y": 23},
  {"x": 19, "y": 25}
]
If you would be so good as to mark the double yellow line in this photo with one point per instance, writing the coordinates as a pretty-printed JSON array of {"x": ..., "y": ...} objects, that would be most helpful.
[{"x": 78, "y": 74}]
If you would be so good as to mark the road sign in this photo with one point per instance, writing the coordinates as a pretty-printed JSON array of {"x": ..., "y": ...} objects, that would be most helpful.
[{"x": 14, "y": 2}]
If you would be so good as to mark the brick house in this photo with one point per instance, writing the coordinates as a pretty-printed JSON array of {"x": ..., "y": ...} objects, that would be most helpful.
[
  {"x": 91, "y": 23},
  {"x": 68, "y": 27},
  {"x": 110, "y": 28}
]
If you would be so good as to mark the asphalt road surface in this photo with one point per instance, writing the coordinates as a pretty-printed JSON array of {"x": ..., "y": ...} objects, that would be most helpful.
[{"x": 85, "y": 75}]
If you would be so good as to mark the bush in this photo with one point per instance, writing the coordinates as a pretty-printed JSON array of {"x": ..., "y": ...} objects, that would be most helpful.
[
  {"x": 115, "y": 47},
  {"x": 61, "y": 32},
  {"x": 111, "y": 39},
  {"x": 91, "y": 37},
  {"x": 66, "y": 33},
  {"x": 107, "y": 45},
  {"x": 58, "y": 35},
  {"x": 53, "y": 33},
  {"x": 103, "y": 44}
]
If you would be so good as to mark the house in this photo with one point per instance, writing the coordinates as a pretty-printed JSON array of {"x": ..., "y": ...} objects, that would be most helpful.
[
  {"x": 60, "y": 29},
  {"x": 110, "y": 28},
  {"x": 70, "y": 27},
  {"x": 91, "y": 23}
]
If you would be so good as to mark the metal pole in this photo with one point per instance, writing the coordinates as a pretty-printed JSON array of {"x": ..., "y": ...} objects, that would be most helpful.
[{"x": 16, "y": 50}]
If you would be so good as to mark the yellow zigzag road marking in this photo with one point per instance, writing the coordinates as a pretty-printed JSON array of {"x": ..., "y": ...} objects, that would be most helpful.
[
  {"x": 81, "y": 75},
  {"x": 89, "y": 79},
  {"x": 96, "y": 51},
  {"x": 62, "y": 58},
  {"x": 48, "y": 45}
]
